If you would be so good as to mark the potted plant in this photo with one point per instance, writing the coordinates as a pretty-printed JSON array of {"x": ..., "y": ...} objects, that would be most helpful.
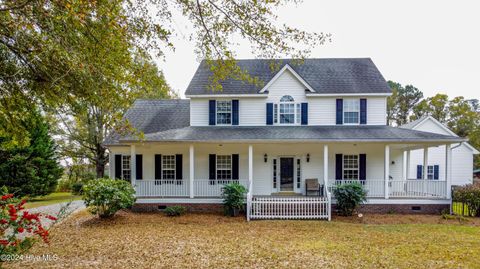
[{"x": 233, "y": 195}]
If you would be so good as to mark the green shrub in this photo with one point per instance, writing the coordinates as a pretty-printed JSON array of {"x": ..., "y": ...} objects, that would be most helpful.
[
  {"x": 348, "y": 197},
  {"x": 469, "y": 195},
  {"x": 105, "y": 197},
  {"x": 176, "y": 210},
  {"x": 77, "y": 188},
  {"x": 233, "y": 195},
  {"x": 64, "y": 185}
]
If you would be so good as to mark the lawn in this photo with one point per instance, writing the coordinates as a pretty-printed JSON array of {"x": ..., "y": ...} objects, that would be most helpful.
[
  {"x": 213, "y": 241},
  {"x": 53, "y": 198}
]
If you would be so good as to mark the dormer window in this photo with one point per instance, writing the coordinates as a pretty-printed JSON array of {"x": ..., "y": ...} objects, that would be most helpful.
[
  {"x": 351, "y": 111},
  {"x": 224, "y": 112},
  {"x": 287, "y": 111}
]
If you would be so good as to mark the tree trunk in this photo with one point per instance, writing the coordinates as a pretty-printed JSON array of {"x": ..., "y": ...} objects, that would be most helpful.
[{"x": 100, "y": 161}]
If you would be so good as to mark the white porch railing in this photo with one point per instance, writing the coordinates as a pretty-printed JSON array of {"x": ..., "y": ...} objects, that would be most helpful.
[
  {"x": 213, "y": 188},
  {"x": 415, "y": 188},
  {"x": 301, "y": 207},
  {"x": 374, "y": 187},
  {"x": 181, "y": 188},
  {"x": 162, "y": 188}
]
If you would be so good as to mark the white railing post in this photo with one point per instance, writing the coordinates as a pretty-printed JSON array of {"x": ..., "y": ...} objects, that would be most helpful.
[
  {"x": 448, "y": 170},
  {"x": 133, "y": 165},
  {"x": 387, "y": 169},
  {"x": 325, "y": 166},
  {"x": 192, "y": 169}
]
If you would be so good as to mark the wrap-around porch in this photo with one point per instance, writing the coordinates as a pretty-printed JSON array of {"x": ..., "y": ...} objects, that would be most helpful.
[{"x": 276, "y": 171}]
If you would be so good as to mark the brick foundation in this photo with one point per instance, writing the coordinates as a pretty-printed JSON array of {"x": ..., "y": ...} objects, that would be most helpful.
[
  {"x": 402, "y": 208},
  {"x": 191, "y": 207},
  {"x": 368, "y": 208}
]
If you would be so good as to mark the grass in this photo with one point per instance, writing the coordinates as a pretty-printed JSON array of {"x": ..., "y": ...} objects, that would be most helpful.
[
  {"x": 53, "y": 198},
  {"x": 212, "y": 241}
]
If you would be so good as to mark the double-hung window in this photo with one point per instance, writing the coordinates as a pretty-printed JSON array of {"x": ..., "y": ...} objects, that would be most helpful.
[
  {"x": 287, "y": 111},
  {"x": 224, "y": 167},
  {"x": 351, "y": 111},
  {"x": 350, "y": 167},
  {"x": 168, "y": 167},
  {"x": 224, "y": 112},
  {"x": 126, "y": 167}
]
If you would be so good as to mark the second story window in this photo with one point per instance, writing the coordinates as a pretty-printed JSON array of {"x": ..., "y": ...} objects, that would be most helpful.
[
  {"x": 224, "y": 112},
  {"x": 287, "y": 111},
  {"x": 351, "y": 111}
]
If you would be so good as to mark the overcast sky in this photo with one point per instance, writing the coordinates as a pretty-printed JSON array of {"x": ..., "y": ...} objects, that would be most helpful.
[{"x": 434, "y": 45}]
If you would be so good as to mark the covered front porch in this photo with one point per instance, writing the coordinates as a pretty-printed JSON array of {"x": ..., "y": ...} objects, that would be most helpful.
[{"x": 196, "y": 172}]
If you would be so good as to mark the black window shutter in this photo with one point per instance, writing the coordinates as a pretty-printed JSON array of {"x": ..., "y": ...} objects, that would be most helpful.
[
  {"x": 139, "y": 166},
  {"x": 339, "y": 111},
  {"x": 212, "y": 158},
  {"x": 436, "y": 170},
  {"x": 158, "y": 166},
  {"x": 338, "y": 166},
  {"x": 269, "y": 113},
  {"x": 419, "y": 171},
  {"x": 118, "y": 166},
  {"x": 363, "y": 111},
  {"x": 363, "y": 167},
  {"x": 235, "y": 164},
  {"x": 211, "y": 112},
  {"x": 179, "y": 166},
  {"x": 304, "y": 113},
  {"x": 234, "y": 112}
]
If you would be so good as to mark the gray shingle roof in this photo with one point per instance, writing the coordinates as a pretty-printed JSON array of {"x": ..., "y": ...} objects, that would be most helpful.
[
  {"x": 325, "y": 76},
  {"x": 151, "y": 116},
  {"x": 296, "y": 133}
]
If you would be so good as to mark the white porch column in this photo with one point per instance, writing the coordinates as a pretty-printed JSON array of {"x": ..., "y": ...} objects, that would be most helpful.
[
  {"x": 192, "y": 169},
  {"x": 250, "y": 169},
  {"x": 387, "y": 169},
  {"x": 133, "y": 166},
  {"x": 325, "y": 166},
  {"x": 408, "y": 163},
  {"x": 448, "y": 170},
  {"x": 111, "y": 164},
  {"x": 425, "y": 169},
  {"x": 405, "y": 165}
]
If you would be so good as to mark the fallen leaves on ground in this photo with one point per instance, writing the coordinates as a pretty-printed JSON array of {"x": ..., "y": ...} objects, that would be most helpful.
[{"x": 152, "y": 240}]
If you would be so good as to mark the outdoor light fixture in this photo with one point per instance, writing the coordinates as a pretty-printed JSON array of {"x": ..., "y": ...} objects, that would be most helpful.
[
  {"x": 265, "y": 157},
  {"x": 308, "y": 157},
  {"x": 393, "y": 162}
]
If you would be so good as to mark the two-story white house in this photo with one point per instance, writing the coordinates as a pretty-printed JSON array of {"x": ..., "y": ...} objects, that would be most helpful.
[{"x": 320, "y": 121}]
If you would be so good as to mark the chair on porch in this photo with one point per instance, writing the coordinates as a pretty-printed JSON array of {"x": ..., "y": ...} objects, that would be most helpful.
[{"x": 312, "y": 185}]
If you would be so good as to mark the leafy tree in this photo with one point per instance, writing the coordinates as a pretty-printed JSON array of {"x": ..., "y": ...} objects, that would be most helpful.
[
  {"x": 47, "y": 46},
  {"x": 401, "y": 102},
  {"x": 436, "y": 106},
  {"x": 31, "y": 169}
]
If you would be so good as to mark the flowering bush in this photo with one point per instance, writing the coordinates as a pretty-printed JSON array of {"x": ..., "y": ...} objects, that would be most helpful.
[
  {"x": 105, "y": 196},
  {"x": 18, "y": 228}
]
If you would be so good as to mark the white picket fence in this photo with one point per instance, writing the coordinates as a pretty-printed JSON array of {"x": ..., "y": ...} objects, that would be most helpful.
[{"x": 293, "y": 207}]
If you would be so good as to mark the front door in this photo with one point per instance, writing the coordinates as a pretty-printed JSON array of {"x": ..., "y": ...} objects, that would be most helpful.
[{"x": 286, "y": 174}]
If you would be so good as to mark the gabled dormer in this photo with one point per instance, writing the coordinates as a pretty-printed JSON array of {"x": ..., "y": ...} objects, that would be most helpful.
[{"x": 315, "y": 92}]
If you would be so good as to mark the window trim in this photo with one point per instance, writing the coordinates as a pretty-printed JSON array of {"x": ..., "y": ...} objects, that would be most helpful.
[
  {"x": 351, "y": 169},
  {"x": 345, "y": 101},
  {"x": 216, "y": 167},
  {"x": 217, "y": 112},
  {"x": 129, "y": 169},
  {"x": 297, "y": 111},
  {"x": 169, "y": 169}
]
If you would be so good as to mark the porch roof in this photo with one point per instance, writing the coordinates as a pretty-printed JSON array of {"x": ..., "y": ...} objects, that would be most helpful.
[{"x": 377, "y": 133}]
